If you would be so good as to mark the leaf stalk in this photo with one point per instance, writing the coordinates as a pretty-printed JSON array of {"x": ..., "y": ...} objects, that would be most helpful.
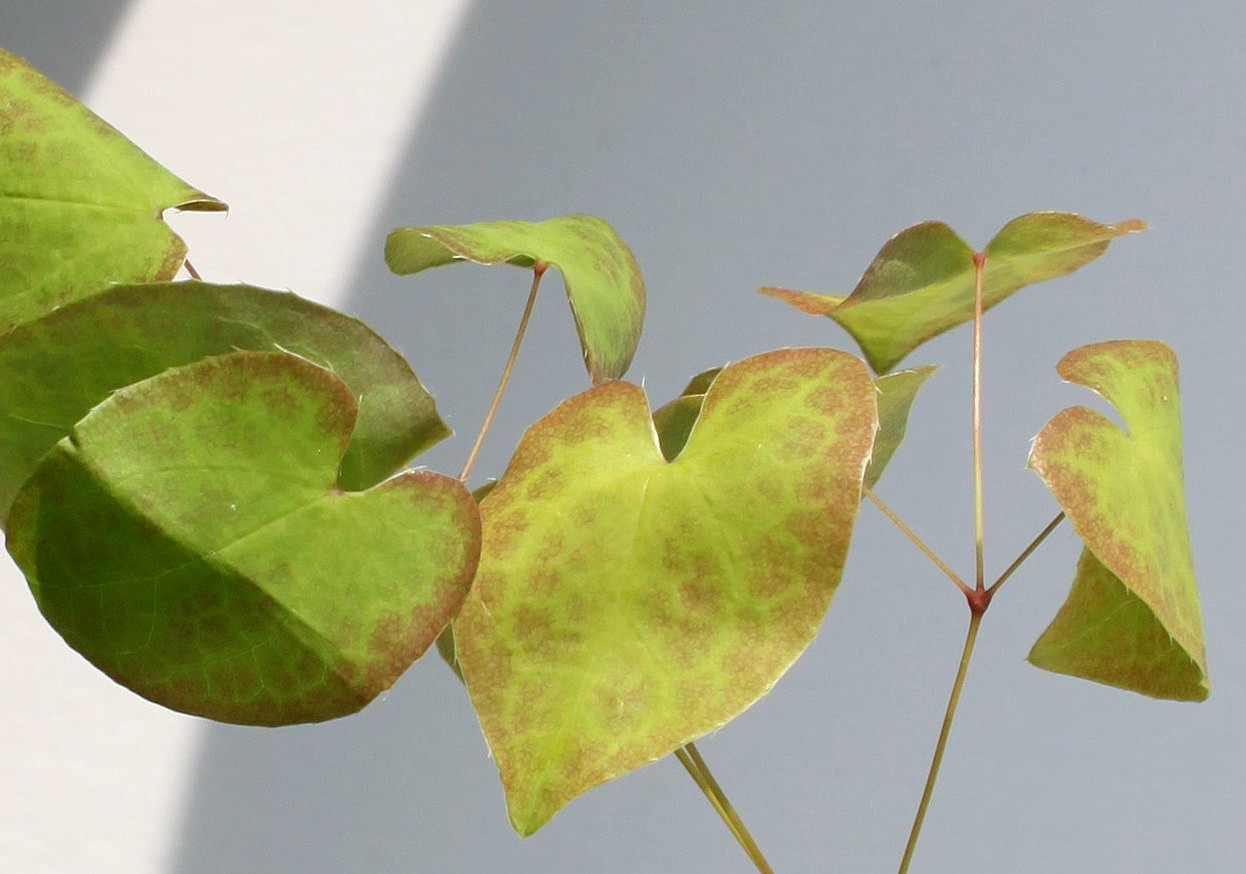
[
  {"x": 917, "y": 541},
  {"x": 690, "y": 757},
  {"x": 538, "y": 270}
]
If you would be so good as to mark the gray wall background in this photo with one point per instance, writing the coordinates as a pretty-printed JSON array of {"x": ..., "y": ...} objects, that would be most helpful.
[{"x": 736, "y": 146}]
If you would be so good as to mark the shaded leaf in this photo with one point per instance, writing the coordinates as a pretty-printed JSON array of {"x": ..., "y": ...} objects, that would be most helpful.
[
  {"x": 55, "y": 369},
  {"x": 673, "y": 423},
  {"x": 896, "y": 392},
  {"x": 603, "y": 282},
  {"x": 921, "y": 283},
  {"x": 187, "y": 537},
  {"x": 625, "y": 605},
  {"x": 1106, "y": 633},
  {"x": 701, "y": 383},
  {"x": 80, "y": 205},
  {"x": 1132, "y": 619}
]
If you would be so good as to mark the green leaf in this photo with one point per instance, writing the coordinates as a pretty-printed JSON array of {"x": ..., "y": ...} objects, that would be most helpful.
[
  {"x": 55, "y": 369},
  {"x": 1132, "y": 618},
  {"x": 188, "y": 538},
  {"x": 896, "y": 392},
  {"x": 673, "y": 423},
  {"x": 921, "y": 283},
  {"x": 626, "y": 605},
  {"x": 80, "y": 205},
  {"x": 603, "y": 282}
]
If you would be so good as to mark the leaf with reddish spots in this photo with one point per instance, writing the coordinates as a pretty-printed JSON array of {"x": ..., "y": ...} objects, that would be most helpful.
[
  {"x": 625, "y": 604},
  {"x": 81, "y": 205},
  {"x": 896, "y": 392},
  {"x": 921, "y": 283},
  {"x": 53, "y": 370},
  {"x": 188, "y": 538},
  {"x": 603, "y": 282},
  {"x": 1132, "y": 618}
]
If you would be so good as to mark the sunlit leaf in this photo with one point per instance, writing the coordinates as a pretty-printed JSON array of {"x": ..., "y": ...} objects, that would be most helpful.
[
  {"x": 1132, "y": 618},
  {"x": 921, "y": 283},
  {"x": 55, "y": 369},
  {"x": 896, "y": 391},
  {"x": 80, "y": 205},
  {"x": 603, "y": 282},
  {"x": 626, "y": 604},
  {"x": 188, "y": 538}
]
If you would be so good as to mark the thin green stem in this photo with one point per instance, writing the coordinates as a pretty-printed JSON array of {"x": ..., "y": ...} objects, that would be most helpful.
[
  {"x": 690, "y": 758},
  {"x": 917, "y": 541},
  {"x": 538, "y": 271},
  {"x": 971, "y": 636},
  {"x": 979, "y": 259},
  {"x": 978, "y": 598},
  {"x": 1025, "y": 553}
]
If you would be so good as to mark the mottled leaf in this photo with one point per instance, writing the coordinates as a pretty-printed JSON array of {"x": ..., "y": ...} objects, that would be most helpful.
[
  {"x": 921, "y": 283},
  {"x": 55, "y": 369},
  {"x": 625, "y": 604},
  {"x": 1132, "y": 618},
  {"x": 896, "y": 391},
  {"x": 603, "y": 282},
  {"x": 80, "y": 205},
  {"x": 188, "y": 538}
]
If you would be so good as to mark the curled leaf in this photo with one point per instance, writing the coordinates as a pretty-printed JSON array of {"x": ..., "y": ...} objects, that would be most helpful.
[
  {"x": 53, "y": 370},
  {"x": 188, "y": 538},
  {"x": 602, "y": 279},
  {"x": 1132, "y": 618},
  {"x": 921, "y": 283}
]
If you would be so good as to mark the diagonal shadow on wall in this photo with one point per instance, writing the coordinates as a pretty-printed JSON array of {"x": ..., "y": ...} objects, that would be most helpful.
[
  {"x": 63, "y": 38},
  {"x": 721, "y": 139}
]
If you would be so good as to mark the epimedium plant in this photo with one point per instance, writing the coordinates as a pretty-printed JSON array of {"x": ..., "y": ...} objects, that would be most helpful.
[{"x": 206, "y": 486}]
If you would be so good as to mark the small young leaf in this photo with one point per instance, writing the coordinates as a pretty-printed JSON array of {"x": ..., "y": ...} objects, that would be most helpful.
[
  {"x": 54, "y": 369},
  {"x": 1132, "y": 618},
  {"x": 188, "y": 538},
  {"x": 625, "y": 604},
  {"x": 603, "y": 282},
  {"x": 80, "y": 204},
  {"x": 921, "y": 283},
  {"x": 896, "y": 392},
  {"x": 673, "y": 423}
]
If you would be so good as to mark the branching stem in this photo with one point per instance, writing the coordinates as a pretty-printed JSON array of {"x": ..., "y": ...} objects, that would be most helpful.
[
  {"x": 538, "y": 271},
  {"x": 979, "y": 597},
  {"x": 690, "y": 758}
]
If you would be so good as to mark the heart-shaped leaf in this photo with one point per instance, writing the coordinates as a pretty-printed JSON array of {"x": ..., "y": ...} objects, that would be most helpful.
[
  {"x": 1132, "y": 618},
  {"x": 896, "y": 391},
  {"x": 603, "y": 281},
  {"x": 626, "y": 605},
  {"x": 55, "y": 369},
  {"x": 921, "y": 283},
  {"x": 188, "y": 538},
  {"x": 80, "y": 205}
]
